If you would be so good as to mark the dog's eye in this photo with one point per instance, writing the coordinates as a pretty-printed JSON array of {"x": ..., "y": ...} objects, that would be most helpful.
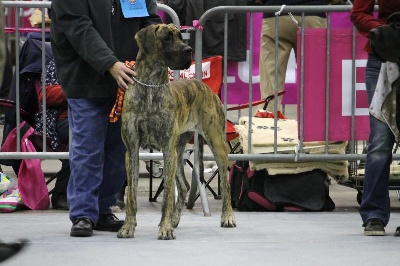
[{"x": 167, "y": 37}]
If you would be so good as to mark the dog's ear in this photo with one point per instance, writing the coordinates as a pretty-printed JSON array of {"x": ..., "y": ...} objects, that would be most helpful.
[
  {"x": 173, "y": 25},
  {"x": 144, "y": 37},
  {"x": 394, "y": 18}
]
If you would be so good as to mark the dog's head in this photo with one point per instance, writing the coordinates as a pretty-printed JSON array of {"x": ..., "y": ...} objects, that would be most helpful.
[
  {"x": 385, "y": 40},
  {"x": 164, "y": 42}
]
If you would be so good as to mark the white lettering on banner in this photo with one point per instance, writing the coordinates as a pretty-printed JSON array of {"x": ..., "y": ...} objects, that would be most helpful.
[
  {"x": 347, "y": 87},
  {"x": 190, "y": 73},
  {"x": 243, "y": 71}
]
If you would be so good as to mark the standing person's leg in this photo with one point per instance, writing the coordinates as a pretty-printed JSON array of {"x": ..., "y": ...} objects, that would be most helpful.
[
  {"x": 59, "y": 195},
  {"x": 287, "y": 29},
  {"x": 375, "y": 202},
  {"x": 114, "y": 173},
  {"x": 88, "y": 120}
]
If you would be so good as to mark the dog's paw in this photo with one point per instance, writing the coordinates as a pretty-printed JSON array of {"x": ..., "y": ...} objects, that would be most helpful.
[
  {"x": 127, "y": 230},
  {"x": 166, "y": 233},
  {"x": 228, "y": 220}
]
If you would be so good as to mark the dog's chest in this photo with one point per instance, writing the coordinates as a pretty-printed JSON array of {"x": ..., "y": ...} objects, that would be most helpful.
[
  {"x": 155, "y": 120},
  {"x": 154, "y": 129}
]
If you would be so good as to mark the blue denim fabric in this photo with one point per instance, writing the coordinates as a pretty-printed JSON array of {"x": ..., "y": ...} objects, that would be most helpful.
[
  {"x": 375, "y": 202},
  {"x": 97, "y": 158}
]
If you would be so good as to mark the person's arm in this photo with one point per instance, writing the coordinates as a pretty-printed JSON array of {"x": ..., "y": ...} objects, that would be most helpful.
[
  {"x": 74, "y": 18},
  {"x": 362, "y": 16}
]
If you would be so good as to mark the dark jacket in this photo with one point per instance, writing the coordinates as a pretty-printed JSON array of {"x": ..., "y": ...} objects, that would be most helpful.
[
  {"x": 294, "y": 3},
  {"x": 213, "y": 33},
  {"x": 364, "y": 20},
  {"x": 87, "y": 38}
]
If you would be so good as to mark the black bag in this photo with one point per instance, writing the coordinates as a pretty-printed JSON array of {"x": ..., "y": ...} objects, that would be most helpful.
[{"x": 258, "y": 191}]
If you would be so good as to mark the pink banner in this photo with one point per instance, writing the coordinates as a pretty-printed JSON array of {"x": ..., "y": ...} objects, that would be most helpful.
[
  {"x": 340, "y": 94},
  {"x": 238, "y": 77}
]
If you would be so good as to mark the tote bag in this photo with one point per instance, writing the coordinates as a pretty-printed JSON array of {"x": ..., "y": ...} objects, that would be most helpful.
[{"x": 31, "y": 182}]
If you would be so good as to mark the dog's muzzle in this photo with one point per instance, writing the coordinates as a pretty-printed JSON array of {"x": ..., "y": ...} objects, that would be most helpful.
[{"x": 188, "y": 55}]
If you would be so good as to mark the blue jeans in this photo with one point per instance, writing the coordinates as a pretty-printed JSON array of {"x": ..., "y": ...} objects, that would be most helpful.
[
  {"x": 375, "y": 202},
  {"x": 97, "y": 158}
]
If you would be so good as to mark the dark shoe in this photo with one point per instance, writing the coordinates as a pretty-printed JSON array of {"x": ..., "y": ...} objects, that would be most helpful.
[
  {"x": 118, "y": 206},
  {"x": 374, "y": 227},
  {"x": 7, "y": 250},
  {"x": 108, "y": 222},
  {"x": 59, "y": 201},
  {"x": 82, "y": 227},
  {"x": 397, "y": 232}
]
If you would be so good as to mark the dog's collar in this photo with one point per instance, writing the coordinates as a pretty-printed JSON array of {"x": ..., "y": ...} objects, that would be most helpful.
[{"x": 150, "y": 85}]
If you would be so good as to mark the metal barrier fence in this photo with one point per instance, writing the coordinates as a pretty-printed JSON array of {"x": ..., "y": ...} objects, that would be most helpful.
[
  {"x": 15, "y": 11},
  {"x": 298, "y": 156}
]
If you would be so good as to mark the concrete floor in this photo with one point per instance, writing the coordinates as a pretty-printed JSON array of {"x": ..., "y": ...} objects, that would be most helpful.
[
  {"x": 267, "y": 238},
  {"x": 274, "y": 238}
]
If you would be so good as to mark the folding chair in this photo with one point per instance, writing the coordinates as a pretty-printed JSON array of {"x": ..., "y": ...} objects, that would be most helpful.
[{"x": 233, "y": 144}]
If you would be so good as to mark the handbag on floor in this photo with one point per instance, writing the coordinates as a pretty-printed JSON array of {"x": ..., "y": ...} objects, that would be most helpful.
[{"x": 259, "y": 191}]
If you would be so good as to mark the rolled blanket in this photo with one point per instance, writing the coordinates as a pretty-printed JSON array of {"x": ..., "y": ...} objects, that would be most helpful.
[{"x": 263, "y": 142}]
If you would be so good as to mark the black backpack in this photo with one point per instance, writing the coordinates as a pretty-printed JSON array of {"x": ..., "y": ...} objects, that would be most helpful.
[{"x": 259, "y": 191}]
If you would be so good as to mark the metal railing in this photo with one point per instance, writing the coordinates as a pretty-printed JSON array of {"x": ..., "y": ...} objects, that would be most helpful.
[
  {"x": 299, "y": 156},
  {"x": 15, "y": 8}
]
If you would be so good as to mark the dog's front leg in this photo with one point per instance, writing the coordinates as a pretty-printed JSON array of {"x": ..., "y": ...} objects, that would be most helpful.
[
  {"x": 166, "y": 231},
  {"x": 132, "y": 171},
  {"x": 181, "y": 182}
]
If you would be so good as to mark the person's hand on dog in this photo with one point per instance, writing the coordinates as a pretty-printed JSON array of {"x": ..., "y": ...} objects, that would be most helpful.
[{"x": 122, "y": 74}]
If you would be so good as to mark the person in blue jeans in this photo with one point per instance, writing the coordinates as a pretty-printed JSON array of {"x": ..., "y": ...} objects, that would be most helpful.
[
  {"x": 375, "y": 201},
  {"x": 91, "y": 40}
]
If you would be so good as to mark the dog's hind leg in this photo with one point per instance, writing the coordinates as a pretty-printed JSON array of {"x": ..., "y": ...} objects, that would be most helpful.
[
  {"x": 181, "y": 182},
  {"x": 197, "y": 176},
  {"x": 132, "y": 170},
  {"x": 216, "y": 142}
]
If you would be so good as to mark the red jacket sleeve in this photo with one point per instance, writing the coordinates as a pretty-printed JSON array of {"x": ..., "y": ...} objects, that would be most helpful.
[
  {"x": 54, "y": 96},
  {"x": 363, "y": 18}
]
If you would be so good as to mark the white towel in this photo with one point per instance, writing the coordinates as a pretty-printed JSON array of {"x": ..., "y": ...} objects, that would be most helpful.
[
  {"x": 262, "y": 138},
  {"x": 383, "y": 104}
]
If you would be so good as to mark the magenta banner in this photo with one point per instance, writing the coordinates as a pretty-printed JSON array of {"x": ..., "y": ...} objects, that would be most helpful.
[
  {"x": 238, "y": 75},
  {"x": 340, "y": 82}
]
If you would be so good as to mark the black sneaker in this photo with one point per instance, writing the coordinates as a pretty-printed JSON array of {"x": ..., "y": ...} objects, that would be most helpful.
[
  {"x": 374, "y": 227},
  {"x": 108, "y": 222}
]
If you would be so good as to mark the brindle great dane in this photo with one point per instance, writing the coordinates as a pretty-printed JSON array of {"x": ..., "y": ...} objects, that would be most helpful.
[{"x": 162, "y": 115}]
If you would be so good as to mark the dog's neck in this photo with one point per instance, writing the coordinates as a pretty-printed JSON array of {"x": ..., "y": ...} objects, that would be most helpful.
[{"x": 156, "y": 76}]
